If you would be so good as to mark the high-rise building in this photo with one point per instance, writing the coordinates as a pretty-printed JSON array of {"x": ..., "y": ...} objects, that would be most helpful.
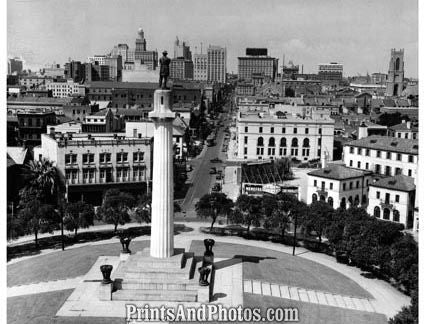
[
  {"x": 140, "y": 43},
  {"x": 200, "y": 67},
  {"x": 122, "y": 50},
  {"x": 395, "y": 73},
  {"x": 217, "y": 64},
  {"x": 96, "y": 72},
  {"x": 181, "y": 50},
  {"x": 115, "y": 67},
  {"x": 14, "y": 65},
  {"x": 330, "y": 71},
  {"x": 257, "y": 66},
  {"x": 181, "y": 69},
  {"x": 75, "y": 70},
  {"x": 100, "y": 59}
]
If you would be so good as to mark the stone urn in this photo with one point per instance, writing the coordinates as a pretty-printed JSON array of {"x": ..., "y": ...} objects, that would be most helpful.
[
  {"x": 106, "y": 270},
  {"x": 203, "y": 275},
  {"x": 208, "y": 258},
  {"x": 209, "y": 243},
  {"x": 125, "y": 242}
]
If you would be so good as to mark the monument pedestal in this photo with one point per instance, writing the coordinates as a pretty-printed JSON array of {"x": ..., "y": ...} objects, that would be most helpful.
[
  {"x": 146, "y": 278},
  {"x": 105, "y": 291}
]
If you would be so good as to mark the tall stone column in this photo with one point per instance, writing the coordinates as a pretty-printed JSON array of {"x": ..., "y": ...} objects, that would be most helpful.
[{"x": 162, "y": 225}]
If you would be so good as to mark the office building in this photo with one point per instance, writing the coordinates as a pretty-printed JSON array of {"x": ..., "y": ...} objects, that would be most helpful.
[
  {"x": 217, "y": 64},
  {"x": 330, "y": 71},
  {"x": 257, "y": 66},
  {"x": 181, "y": 50},
  {"x": 33, "y": 124},
  {"x": 65, "y": 89},
  {"x": 200, "y": 67},
  {"x": 181, "y": 69},
  {"x": 14, "y": 66},
  {"x": 75, "y": 70}
]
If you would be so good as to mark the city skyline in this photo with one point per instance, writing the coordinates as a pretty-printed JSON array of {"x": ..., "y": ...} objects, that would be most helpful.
[{"x": 91, "y": 27}]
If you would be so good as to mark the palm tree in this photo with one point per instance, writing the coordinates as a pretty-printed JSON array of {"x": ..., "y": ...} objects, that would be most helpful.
[{"x": 44, "y": 178}]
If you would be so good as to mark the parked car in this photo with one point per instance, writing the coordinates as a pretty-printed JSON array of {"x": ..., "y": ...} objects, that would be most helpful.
[
  {"x": 213, "y": 170},
  {"x": 216, "y": 160}
]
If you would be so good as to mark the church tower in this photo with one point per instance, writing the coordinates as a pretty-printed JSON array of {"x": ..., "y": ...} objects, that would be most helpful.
[{"x": 395, "y": 73}]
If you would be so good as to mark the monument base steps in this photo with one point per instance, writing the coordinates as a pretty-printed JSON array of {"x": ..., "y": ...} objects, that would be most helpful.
[{"x": 144, "y": 278}]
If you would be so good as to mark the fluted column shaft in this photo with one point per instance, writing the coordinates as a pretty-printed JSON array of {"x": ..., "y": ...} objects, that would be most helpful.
[{"x": 162, "y": 227}]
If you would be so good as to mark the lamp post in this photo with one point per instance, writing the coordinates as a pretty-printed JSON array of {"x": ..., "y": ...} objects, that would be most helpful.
[{"x": 295, "y": 234}]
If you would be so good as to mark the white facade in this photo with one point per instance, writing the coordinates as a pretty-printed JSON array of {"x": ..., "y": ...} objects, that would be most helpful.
[
  {"x": 97, "y": 58},
  {"x": 383, "y": 155},
  {"x": 339, "y": 190},
  {"x": 217, "y": 64},
  {"x": 270, "y": 135},
  {"x": 64, "y": 89},
  {"x": 142, "y": 129},
  {"x": 200, "y": 67},
  {"x": 392, "y": 204},
  {"x": 97, "y": 159}
]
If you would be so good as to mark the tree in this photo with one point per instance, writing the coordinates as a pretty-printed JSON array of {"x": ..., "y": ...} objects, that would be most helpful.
[
  {"x": 212, "y": 205},
  {"x": 43, "y": 177},
  {"x": 278, "y": 218},
  {"x": 143, "y": 211},
  {"x": 115, "y": 207},
  {"x": 289, "y": 92},
  {"x": 389, "y": 120},
  {"x": 318, "y": 217},
  {"x": 35, "y": 216},
  {"x": 407, "y": 315},
  {"x": 248, "y": 211},
  {"x": 78, "y": 215}
]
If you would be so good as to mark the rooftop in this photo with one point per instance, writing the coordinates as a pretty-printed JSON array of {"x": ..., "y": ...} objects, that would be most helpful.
[
  {"x": 339, "y": 172},
  {"x": 398, "y": 182},
  {"x": 39, "y": 100},
  {"x": 404, "y": 127},
  {"x": 17, "y": 154},
  {"x": 385, "y": 143}
]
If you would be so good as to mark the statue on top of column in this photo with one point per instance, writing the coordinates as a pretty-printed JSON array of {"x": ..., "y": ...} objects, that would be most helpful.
[{"x": 164, "y": 70}]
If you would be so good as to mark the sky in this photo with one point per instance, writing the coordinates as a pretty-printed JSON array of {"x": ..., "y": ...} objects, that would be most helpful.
[{"x": 357, "y": 33}]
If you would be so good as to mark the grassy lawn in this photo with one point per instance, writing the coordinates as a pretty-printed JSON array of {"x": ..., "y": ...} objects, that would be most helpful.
[
  {"x": 42, "y": 308},
  {"x": 63, "y": 264},
  {"x": 282, "y": 268},
  {"x": 315, "y": 314}
]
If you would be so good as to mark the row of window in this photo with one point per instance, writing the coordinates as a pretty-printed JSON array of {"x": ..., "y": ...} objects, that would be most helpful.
[
  {"x": 386, "y": 214},
  {"x": 351, "y": 185},
  {"x": 282, "y": 151},
  {"x": 272, "y": 142},
  {"x": 379, "y": 154},
  {"x": 406, "y": 135},
  {"x": 295, "y": 130},
  {"x": 379, "y": 169},
  {"x": 105, "y": 175},
  {"x": 104, "y": 157},
  {"x": 387, "y": 197}
]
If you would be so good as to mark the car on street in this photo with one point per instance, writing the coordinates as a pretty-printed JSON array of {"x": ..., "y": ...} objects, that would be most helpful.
[
  {"x": 216, "y": 160},
  {"x": 213, "y": 170}
]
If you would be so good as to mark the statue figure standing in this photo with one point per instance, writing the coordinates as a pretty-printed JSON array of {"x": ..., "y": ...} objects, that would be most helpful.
[{"x": 164, "y": 70}]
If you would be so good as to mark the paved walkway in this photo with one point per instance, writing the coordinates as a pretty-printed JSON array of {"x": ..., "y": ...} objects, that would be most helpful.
[
  {"x": 386, "y": 299},
  {"x": 308, "y": 296},
  {"x": 42, "y": 287}
]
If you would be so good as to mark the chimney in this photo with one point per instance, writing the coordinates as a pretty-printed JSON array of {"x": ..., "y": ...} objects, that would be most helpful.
[
  {"x": 324, "y": 160},
  {"x": 52, "y": 132},
  {"x": 409, "y": 124},
  {"x": 403, "y": 121},
  {"x": 362, "y": 133}
]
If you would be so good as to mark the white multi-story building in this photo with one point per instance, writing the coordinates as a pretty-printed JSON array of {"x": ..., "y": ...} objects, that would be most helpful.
[
  {"x": 65, "y": 89},
  {"x": 101, "y": 59},
  {"x": 145, "y": 129},
  {"x": 264, "y": 133},
  {"x": 90, "y": 164},
  {"x": 217, "y": 64},
  {"x": 405, "y": 130},
  {"x": 393, "y": 199},
  {"x": 200, "y": 67},
  {"x": 339, "y": 186},
  {"x": 383, "y": 155}
]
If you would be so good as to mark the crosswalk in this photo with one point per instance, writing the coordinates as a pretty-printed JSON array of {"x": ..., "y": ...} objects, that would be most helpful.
[{"x": 308, "y": 296}]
